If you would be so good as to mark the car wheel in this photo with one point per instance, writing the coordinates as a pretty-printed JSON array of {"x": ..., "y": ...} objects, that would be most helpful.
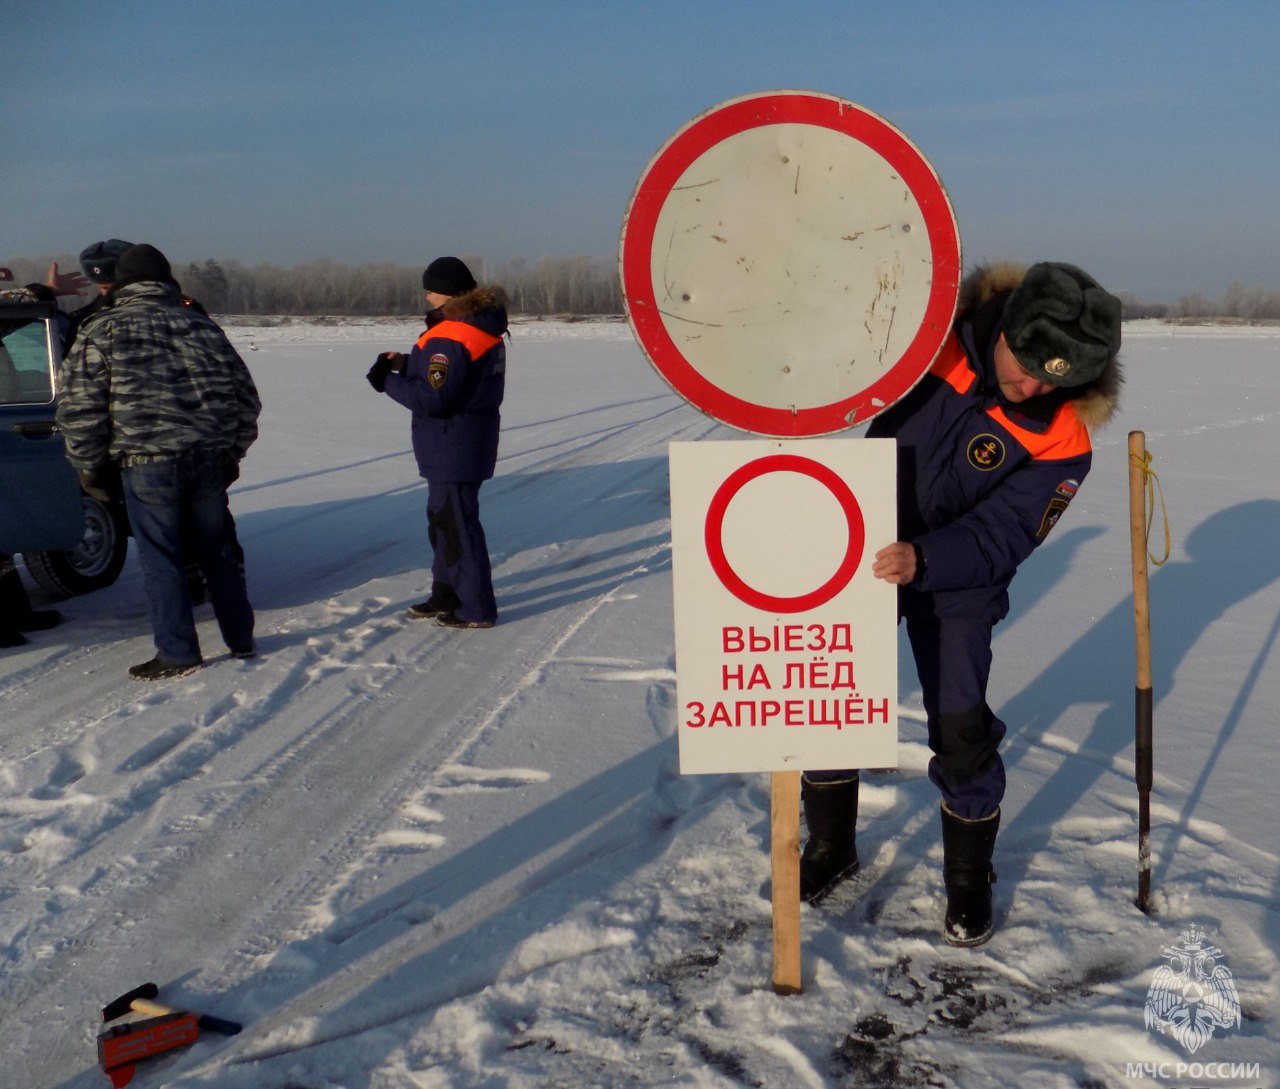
[{"x": 95, "y": 562}]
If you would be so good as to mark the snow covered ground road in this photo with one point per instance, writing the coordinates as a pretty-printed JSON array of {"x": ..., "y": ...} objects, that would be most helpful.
[{"x": 411, "y": 857}]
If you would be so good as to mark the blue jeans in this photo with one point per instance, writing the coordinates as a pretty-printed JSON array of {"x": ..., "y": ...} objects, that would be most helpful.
[{"x": 183, "y": 501}]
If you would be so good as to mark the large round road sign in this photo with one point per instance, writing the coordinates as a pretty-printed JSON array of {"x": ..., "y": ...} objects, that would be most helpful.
[{"x": 790, "y": 263}]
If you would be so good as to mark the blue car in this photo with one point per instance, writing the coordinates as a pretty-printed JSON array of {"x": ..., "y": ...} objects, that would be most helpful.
[{"x": 71, "y": 543}]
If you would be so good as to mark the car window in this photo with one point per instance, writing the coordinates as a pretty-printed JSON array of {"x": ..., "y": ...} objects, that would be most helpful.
[{"x": 26, "y": 377}]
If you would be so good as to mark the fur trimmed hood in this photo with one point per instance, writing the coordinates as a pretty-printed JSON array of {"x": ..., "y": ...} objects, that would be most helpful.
[
  {"x": 479, "y": 298},
  {"x": 1095, "y": 402}
]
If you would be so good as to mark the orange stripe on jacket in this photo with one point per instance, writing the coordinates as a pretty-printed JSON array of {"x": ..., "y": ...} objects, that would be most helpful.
[
  {"x": 952, "y": 366},
  {"x": 1066, "y": 436},
  {"x": 476, "y": 341}
]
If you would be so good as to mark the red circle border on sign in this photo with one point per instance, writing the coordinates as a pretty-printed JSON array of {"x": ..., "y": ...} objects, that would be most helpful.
[
  {"x": 784, "y": 463},
  {"x": 729, "y": 119}
]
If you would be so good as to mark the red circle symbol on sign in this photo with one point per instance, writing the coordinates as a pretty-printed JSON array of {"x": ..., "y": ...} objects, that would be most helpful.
[
  {"x": 790, "y": 263},
  {"x": 784, "y": 463}
]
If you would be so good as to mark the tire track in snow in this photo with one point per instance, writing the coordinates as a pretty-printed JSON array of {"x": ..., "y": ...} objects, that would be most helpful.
[
  {"x": 420, "y": 779},
  {"x": 171, "y": 883},
  {"x": 159, "y": 870},
  {"x": 356, "y": 848}
]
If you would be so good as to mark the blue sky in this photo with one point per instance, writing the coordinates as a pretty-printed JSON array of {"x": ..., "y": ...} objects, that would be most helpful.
[{"x": 1136, "y": 138}]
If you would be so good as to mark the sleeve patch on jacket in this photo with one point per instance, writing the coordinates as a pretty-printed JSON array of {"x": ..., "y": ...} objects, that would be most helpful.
[
  {"x": 985, "y": 452},
  {"x": 1051, "y": 515},
  {"x": 437, "y": 370}
]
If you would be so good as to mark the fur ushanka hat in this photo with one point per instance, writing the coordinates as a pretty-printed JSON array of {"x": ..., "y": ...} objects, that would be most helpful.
[
  {"x": 98, "y": 262},
  {"x": 1063, "y": 326}
]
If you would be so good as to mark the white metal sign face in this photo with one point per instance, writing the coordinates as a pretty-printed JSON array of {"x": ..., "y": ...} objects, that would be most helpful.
[
  {"x": 790, "y": 263},
  {"x": 786, "y": 646}
]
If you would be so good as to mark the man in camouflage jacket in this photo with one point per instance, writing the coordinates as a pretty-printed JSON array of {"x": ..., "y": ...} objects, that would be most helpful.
[{"x": 154, "y": 387}]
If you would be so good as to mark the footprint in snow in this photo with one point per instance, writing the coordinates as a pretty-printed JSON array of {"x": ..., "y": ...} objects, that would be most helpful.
[{"x": 66, "y": 771}]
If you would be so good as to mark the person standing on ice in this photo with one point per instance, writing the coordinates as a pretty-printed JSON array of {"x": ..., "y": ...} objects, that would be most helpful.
[
  {"x": 453, "y": 381},
  {"x": 993, "y": 444},
  {"x": 98, "y": 264},
  {"x": 153, "y": 390}
]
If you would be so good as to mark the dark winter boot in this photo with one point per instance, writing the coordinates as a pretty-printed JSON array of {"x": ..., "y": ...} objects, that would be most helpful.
[
  {"x": 831, "y": 853},
  {"x": 156, "y": 670},
  {"x": 441, "y": 601},
  {"x": 967, "y": 847}
]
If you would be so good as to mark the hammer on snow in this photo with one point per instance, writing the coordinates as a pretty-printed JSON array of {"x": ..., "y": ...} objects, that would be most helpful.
[{"x": 120, "y": 1047}]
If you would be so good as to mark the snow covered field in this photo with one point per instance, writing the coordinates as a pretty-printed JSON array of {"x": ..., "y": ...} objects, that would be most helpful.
[{"x": 416, "y": 858}]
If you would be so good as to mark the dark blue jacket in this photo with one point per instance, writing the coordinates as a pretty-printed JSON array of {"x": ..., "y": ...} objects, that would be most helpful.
[
  {"x": 982, "y": 481},
  {"x": 453, "y": 383}
]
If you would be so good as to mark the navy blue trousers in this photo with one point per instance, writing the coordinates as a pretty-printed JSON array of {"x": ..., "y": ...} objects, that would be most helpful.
[
  {"x": 953, "y": 662},
  {"x": 461, "y": 576}
]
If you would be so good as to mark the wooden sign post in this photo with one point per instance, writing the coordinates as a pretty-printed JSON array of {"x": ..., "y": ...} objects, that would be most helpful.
[{"x": 784, "y": 828}]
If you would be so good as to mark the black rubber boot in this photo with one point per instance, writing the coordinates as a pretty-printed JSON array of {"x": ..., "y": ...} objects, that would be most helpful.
[
  {"x": 967, "y": 847},
  {"x": 831, "y": 853}
]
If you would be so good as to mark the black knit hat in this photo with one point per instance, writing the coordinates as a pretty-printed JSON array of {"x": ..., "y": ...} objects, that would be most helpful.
[
  {"x": 448, "y": 276},
  {"x": 1062, "y": 325},
  {"x": 142, "y": 262},
  {"x": 98, "y": 262}
]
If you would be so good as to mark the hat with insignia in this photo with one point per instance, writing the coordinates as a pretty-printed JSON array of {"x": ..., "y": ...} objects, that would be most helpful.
[
  {"x": 98, "y": 262},
  {"x": 1062, "y": 325}
]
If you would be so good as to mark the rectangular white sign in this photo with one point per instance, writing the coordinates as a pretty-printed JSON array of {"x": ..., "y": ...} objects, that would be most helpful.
[{"x": 786, "y": 645}]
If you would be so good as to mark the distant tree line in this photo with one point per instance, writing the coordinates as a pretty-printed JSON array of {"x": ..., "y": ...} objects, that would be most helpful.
[
  {"x": 552, "y": 285},
  {"x": 549, "y": 286},
  {"x": 579, "y": 286},
  {"x": 1237, "y": 303}
]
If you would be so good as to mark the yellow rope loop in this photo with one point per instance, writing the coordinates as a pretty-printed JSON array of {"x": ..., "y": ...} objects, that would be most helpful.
[{"x": 1154, "y": 487}]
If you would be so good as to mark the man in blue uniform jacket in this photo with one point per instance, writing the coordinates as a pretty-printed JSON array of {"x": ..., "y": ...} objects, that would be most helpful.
[
  {"x": 452, "y": 381},
  {"x": 993, "y": 444}
]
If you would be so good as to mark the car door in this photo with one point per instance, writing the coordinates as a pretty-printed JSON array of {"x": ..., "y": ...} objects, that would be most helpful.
[{"x": 40, "y": 506}]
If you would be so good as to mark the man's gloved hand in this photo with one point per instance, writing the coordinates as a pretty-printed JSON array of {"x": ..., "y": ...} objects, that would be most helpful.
[
  {"x": 102, "y": 483},
  {"x": 230, "y": 468},
  {"x": 383, "y": 366}
]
